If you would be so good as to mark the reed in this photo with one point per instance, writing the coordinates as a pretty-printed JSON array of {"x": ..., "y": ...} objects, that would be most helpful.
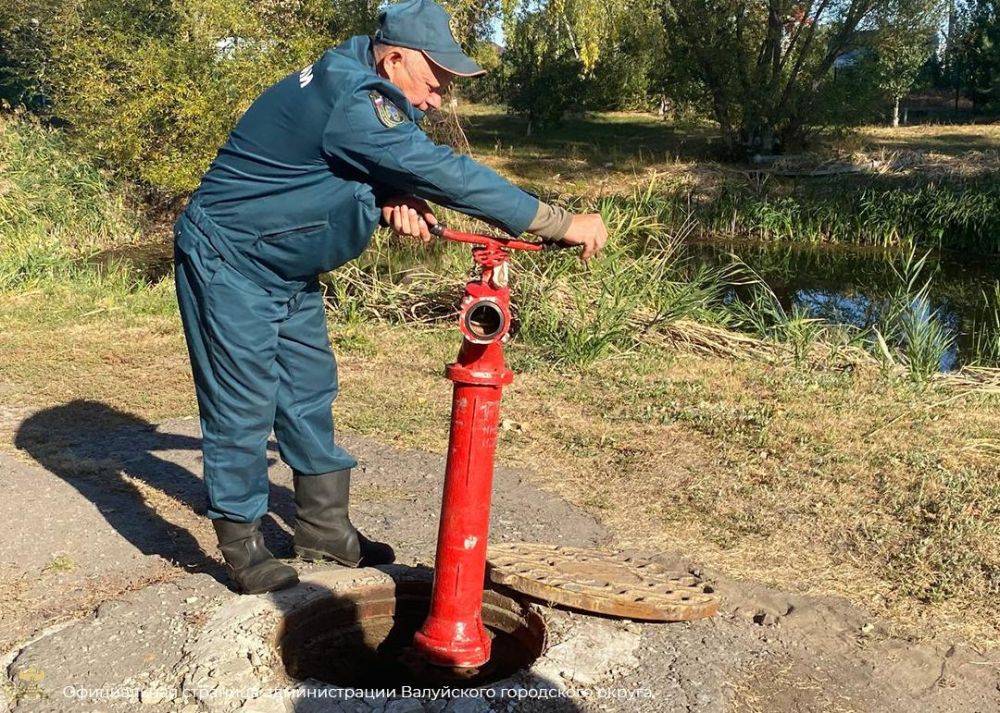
[
  {"x": 950, "y": 212},
  {"x": 986, "y": 332}
]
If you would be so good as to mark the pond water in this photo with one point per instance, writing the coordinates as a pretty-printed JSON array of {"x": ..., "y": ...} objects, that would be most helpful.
[{"x": 850, "y": 285}]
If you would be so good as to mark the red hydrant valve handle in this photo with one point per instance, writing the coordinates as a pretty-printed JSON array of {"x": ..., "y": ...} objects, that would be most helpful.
[{"x": 493, "y": 241}]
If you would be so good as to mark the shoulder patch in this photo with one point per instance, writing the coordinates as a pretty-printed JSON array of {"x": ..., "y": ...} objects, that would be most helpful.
[{"x": 387, "y": 112}]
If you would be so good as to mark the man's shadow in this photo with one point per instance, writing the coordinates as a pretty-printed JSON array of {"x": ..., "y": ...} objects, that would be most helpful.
[{"x": 111, "y": 458}]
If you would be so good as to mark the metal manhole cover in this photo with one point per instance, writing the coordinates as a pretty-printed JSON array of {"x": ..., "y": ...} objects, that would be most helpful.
[{"x": 601, "y": 582}]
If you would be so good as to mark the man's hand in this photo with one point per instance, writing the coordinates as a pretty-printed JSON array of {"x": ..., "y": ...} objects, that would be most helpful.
[
  {"x": 589, "y": 231},
  {"x": 409, "y": 216}
]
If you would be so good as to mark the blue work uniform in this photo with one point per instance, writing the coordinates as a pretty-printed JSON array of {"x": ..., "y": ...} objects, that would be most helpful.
[{"x": 294, "y": 193}]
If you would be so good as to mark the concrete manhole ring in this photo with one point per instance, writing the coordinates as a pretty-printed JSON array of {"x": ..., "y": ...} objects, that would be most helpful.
[
  {"x": 301, "y": 639},
  {"x": 601, "y": 582}
]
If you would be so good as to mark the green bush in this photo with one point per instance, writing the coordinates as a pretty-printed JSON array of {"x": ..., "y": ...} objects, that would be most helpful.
[
  {"x": 624, "y": 76},
  {"x": 26, "y": 32},
  {"x": 152, "y": 87},
  {"x": 492, "y": 87},
  {"x": 543, "y": 76}
]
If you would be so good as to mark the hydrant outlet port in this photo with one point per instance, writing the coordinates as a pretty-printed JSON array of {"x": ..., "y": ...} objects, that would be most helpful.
[{"x": 484, "y": 322}]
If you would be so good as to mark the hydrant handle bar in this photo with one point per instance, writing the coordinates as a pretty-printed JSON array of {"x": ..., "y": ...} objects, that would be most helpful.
[{"x": 446, "y": 233}]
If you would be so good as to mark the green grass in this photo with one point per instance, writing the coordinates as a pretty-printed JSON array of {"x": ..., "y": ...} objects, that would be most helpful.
[
  {"x": 639, "y": 292},
  {"x": 60, "y": 563},
  {"x": 920, "y": 339},
  {"x": 986, "y": 333},
  {"x": 918, "y": 186},
  {"x": 54, "y": 207},
  {"x": 56, "y": 212}
]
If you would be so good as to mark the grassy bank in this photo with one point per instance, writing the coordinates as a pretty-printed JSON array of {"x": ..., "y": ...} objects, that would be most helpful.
[
  {"x": 824, "y": 480},
  {"x": 54, "y": 207},
  {"x": 928, "y": 187},
  {"x": 776, "y": 448}
]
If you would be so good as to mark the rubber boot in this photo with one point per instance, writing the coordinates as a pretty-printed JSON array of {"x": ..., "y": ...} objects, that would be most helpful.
[
  {"x": 323, "y": 529},
  {"x": 250, "y": 564}
]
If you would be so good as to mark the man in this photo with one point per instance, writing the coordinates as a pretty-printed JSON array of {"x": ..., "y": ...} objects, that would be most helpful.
[{"x": 297, "y": 190}]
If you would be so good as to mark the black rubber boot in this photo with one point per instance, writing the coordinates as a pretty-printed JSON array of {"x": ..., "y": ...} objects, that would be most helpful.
[
  {"x": 251, "y": 565},
  {"x": 323, "y": 529}
]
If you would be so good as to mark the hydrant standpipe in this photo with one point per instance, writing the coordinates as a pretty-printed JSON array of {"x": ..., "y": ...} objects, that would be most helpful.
[{"x": 453, "y": 634}]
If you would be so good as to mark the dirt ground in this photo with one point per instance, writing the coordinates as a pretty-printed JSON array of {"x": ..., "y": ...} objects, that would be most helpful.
[{"x": 109, "y": 574}]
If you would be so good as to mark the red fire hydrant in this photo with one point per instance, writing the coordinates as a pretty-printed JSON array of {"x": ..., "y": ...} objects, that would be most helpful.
[{"x": 453, "y": 634}]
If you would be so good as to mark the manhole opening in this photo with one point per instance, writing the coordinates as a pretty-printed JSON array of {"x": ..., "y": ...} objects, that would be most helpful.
[{"x": 362, "y": 639}]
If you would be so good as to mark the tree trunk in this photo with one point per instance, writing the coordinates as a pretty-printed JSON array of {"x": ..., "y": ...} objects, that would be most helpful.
[
  {"x": 895, "y": 113},
  {"x": 758, "y": 138}
]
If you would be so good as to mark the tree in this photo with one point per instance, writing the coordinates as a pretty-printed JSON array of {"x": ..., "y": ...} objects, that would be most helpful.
[
  {"x": 624, "y": 75},
  {"x": 541, "y": 70},
  {"x": 979, "y": 54},
  {"x": 766, "y": 65},
  {"x": 471, "y": 20},
  {"x": 904, "y": 36},
  {"x": 577, "y": 53},
  {"x": 152, "y": 87}
]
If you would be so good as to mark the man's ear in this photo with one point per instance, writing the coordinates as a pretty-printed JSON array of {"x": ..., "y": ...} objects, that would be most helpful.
[{"x": 392, "y": 61}]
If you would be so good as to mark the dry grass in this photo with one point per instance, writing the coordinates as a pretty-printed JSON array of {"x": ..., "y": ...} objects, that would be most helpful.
[
  {"x": 588, "y": 156},
  {"x": 810, "y": 480},
  {"x": 100, "y": 359},
  {"x": 951, "y": 139}
]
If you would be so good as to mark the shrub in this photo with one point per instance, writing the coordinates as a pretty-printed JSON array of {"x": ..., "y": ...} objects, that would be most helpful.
[
  {"x": 543, "y": 77},
  {"x": 152, "y": 87}
]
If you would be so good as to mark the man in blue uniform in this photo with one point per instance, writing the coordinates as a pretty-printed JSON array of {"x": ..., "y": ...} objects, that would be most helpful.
[{"x": 297, "y": 190}]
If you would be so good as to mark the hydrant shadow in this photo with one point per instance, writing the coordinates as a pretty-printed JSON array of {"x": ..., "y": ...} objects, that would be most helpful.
[{"x": 115, "y": 460}]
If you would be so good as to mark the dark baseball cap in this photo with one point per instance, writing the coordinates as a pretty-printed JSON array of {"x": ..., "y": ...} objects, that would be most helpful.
[{"x": 426, "y": 26}]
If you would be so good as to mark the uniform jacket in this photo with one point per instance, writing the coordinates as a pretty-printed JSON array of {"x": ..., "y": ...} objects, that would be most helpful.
[{"x": 294, "y": 190}]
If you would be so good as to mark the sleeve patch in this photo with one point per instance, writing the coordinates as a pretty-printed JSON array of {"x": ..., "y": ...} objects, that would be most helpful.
[{"x": 387, "y": 112}]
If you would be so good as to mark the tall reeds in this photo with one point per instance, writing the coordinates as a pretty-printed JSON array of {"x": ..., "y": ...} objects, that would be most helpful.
[
  {"x": 909, "y": 331},
  {"x": 986, "y": 331},
  {"x": 948, "y": 212},
  {"x": 54, "y": 207}
]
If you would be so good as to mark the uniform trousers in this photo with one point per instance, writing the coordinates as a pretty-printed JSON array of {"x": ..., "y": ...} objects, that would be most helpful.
[{"x": 261, "y": 360}]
